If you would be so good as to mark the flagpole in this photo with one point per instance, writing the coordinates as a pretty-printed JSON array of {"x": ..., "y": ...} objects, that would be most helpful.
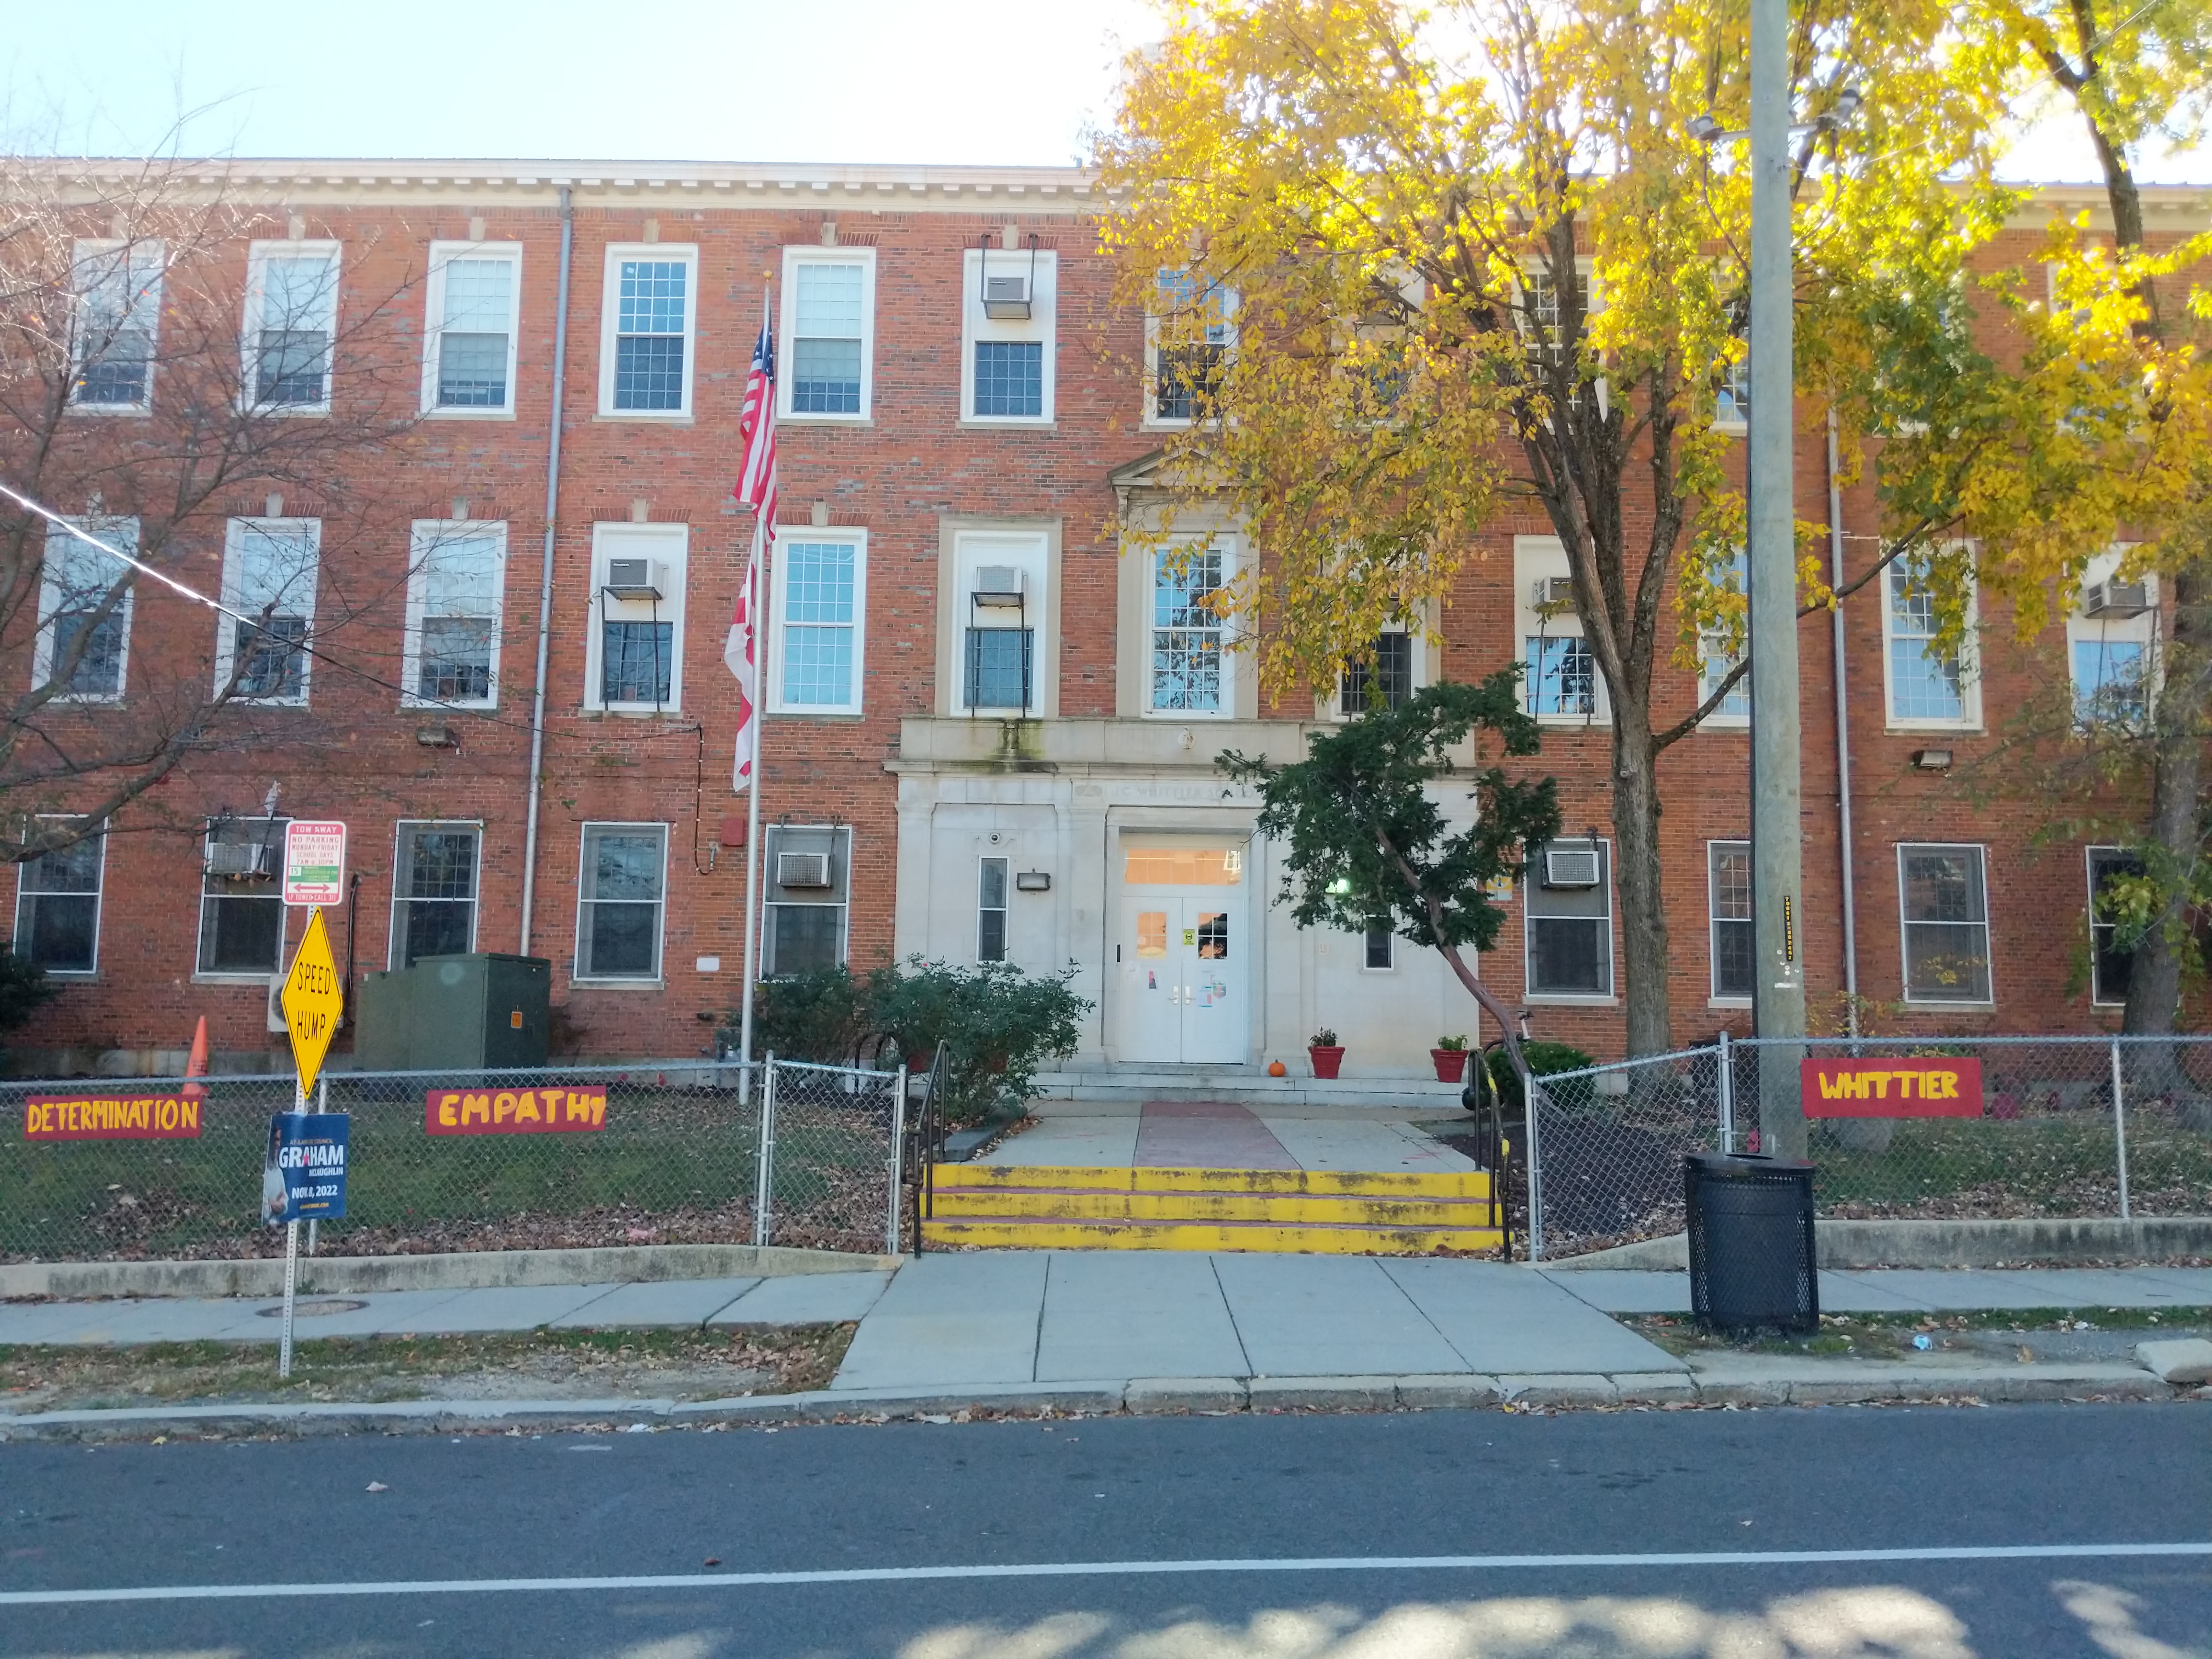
[{"x": 752, "y": 818}]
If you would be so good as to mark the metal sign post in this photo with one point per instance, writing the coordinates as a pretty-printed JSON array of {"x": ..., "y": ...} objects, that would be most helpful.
[{"x": 304, "y": 1174}]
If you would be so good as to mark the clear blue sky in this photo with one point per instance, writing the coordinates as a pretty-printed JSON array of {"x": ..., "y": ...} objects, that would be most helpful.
[{"x": 886, "y": 80}]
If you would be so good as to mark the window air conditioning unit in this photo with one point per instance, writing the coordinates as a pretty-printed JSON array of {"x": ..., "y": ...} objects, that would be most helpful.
[
  {"x": 2116, "y": 598},
  {"x": 1006, "y": 299},
  {"x": 998, "y": 585},
  {"x": 636, "y": 579},
  {"x": 1571, "y": 867},
  {"x": 802, "y": 870},
  {"x": 1555, "y": 594},
  {"x": 240, "y": 859}
]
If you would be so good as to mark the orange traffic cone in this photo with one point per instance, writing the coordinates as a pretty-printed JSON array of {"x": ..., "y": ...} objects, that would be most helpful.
[{"x": 196, "y": 1066}]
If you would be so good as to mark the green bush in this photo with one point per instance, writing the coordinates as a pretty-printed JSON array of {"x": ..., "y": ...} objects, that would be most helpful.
[
  {"x": 1002, "y": 1024},
  {"x": 1544, "y": 1059},
  {"x": 24, "y": 987}
]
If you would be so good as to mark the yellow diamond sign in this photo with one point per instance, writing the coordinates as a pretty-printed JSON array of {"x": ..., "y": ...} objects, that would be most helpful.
[{"x": 313, "y": 1000}]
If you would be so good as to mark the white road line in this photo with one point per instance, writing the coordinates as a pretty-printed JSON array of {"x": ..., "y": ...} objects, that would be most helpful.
[{"x": 1107, "y": 1570}]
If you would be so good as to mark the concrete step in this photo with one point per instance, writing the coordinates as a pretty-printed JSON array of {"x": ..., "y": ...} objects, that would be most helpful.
[
  {"x": 1027, "y": 1203},
  {"x": 1243, "y": 1085},
  {"x": 1309, "y": 1239},
  {"x": 1144, "y": 1178}
]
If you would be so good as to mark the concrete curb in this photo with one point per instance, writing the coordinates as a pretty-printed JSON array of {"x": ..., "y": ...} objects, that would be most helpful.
[
  {"x": 464, "y": 1270},
  {"x": 1844, "y": 1245},
  {"x": 1143, "y": 1396}
]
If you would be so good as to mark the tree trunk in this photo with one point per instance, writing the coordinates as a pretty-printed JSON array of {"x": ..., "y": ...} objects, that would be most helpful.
[
  {"x": 2155, "y": 985},
  {"x": 1642, "y": 904}
]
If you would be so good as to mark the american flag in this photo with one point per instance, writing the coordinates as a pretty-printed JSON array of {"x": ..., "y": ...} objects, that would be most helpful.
[{"x": 755, "y": 489}]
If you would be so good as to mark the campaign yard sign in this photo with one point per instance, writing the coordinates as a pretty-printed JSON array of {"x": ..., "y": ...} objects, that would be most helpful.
[
  {"x": 304, "y": 1176},
  {"x": 514, "y": 1111},
  {"x": 1922, "y": 1087}
]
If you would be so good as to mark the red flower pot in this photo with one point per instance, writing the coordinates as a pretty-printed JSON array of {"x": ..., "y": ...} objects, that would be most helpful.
[
  {"x": 1450, "y": 1064},
  {"x": 1325, "y": 1060}
]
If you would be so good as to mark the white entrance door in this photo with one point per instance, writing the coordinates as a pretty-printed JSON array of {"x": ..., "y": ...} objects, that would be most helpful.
[{"x": 1182, "y": 973}]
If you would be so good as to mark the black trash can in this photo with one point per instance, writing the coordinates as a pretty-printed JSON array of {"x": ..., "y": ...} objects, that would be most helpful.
[{"x": 1750, "y": 1241}]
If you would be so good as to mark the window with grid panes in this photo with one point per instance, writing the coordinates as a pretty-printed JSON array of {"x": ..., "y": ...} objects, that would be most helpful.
[
  {"x": 473, "y": 332},
  {"x": 1562, "y": 675},
  {"x": 1569, "y": 929},
  {"x": 1386, "y": 681},
  {"x": 1381, "y": 947},
  {"x": 1187, "y": 631},
  {"x": 295, "y": 297},
  {"x": 57, "y": 906},
  {"x": 649, "y": 334},
  {"x": 241, "y": 900},
  {"x": 269, "y": 575},
  {"x": 621, "y": 893},
  {"x": 1945, "y": 924},
  {"x": 433, "y": 892},
  {"x": 991, "y": 910},
  {"x": 1192, "y": 345},
  {"x": 1729, "y": 877},
  {"x": 2111, "y": 682},
  {"x": 1009, "y": 377},
  {"x": 1718, "y": 653},
  {"x": 821, "y": 612},
  {"x": 83, "y": 638},
  {"x": 827, "y": 338},
  {"x": 456, "y": 595},
  {"x": 804, "y": 927},
  {"x": 1925, "y": 682},
  {"x": 635, "y": 661},
  {"x": 118, "y": 309}
]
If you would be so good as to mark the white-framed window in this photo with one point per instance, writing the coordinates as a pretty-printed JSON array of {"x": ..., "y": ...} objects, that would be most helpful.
[
  {"x": 1560, "y": 682},
  {"x": 471, "y": 329},
  {"x": 269, "y": 570},
  {"x": 1944, "y": 914},
  {"x": 1190, "y": 328},
  {"x": 1187, "y": 635},
  {"x": 1568, "y": 944},
  {"x": 242, "y": 899},
  {"x": 1727, "y": 907},
  {"x": 1009, "y": 335},
  {"x": 2111, "y": 645},
  {"x": 1537, "y": 310},
  {"x": 634, "y": 657},
  {"x": 58, "y": 906},
  {"x": 820, "y": 608},
  {"x": 1928, "y": 688},
  {"x": 82, "y": 637},
  {"x": 648, "y": 324},
  {"x": 2111, "y": 968},
  {"x": 1732, "y": 397},
  {"x": 1718, "y": 653},
  {"x": 992, "y": 882},
  {"x": 1387, "y": 679},
  {"x": 829, "y": 334},
  {"x": 1381, "y": 950},
  {"x": 433, "y": 889},
  {"x": 808, "y": 886},
  {"x": 291, "y": 324},
  {"x": 456, "y": 580},
  {"x": 1000, "y": 591},
  {"x": 115, "y": 325},
  {"x": 621, "y": 894}
]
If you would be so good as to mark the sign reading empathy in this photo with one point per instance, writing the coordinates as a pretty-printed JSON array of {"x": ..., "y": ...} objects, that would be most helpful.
[
  {"x": 1892, "y": 1088},
  {"x": 110, "y": 1117},
  {"x": 514, "y": 1111}
]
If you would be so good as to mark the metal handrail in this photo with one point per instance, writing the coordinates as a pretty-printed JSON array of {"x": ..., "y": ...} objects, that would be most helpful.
[{"x": 928, "y": 1129}]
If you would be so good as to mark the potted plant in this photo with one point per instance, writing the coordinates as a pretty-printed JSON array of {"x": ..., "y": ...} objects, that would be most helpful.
[
  {"x": 1449, "y": 1058},
  {"x": 1326, "y": 1053}
]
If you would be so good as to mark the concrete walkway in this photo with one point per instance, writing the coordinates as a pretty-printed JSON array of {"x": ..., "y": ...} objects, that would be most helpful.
[{"x": 1222, "y": 1134}]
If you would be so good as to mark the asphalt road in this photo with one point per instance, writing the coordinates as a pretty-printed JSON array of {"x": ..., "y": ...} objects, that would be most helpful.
[{"x": 847, "y": 1502}]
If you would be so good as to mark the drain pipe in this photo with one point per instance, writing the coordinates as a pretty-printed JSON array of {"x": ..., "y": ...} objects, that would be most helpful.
[
  {"x": 545, "y": 572},
  {"x": 1842, "y": 737}
]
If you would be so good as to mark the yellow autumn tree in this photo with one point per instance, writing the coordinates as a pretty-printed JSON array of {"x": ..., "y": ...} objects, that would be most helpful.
[{"x": 1415, "y": 272}]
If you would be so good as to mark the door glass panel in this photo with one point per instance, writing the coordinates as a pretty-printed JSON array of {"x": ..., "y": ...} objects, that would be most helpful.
[
  {"x": 1185, "y": 867},
  {"x": 1213, "y": 935},
  {"x": 1151, "y": 933}
]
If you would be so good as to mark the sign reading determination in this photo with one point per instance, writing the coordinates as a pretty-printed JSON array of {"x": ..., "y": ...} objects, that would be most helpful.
[
  {"x": 303, "y": 1176},
  {"x": 314, "y": 862},
  {"x": 111, "y": 1117},
  {"x": 312, "y": 1001},
  {"x": 1892, "y": 1088}
]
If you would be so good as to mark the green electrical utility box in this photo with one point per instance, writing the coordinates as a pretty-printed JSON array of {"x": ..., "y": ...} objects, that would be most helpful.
[{"x": 482, "y": 1012}]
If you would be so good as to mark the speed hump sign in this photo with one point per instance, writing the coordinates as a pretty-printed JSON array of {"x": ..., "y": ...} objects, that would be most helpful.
[{"x": 313, "y": 1000}]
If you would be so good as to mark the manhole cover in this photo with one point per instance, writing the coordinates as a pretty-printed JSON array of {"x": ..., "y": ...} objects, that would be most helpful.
[{"x": 321, "y": 1305}]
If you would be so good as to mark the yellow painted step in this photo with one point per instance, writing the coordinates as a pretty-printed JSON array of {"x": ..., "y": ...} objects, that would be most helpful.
[
  {"x": 1010, "y": 1203},
  {"x": 1212, "y": 1236},
  {"x": 1366, "y": 1183}
]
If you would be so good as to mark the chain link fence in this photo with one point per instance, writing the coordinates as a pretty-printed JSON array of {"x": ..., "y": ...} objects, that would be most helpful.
[
  {"x": 2065, "y": 1128},
  {"x": 644, "y": 1154}
]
